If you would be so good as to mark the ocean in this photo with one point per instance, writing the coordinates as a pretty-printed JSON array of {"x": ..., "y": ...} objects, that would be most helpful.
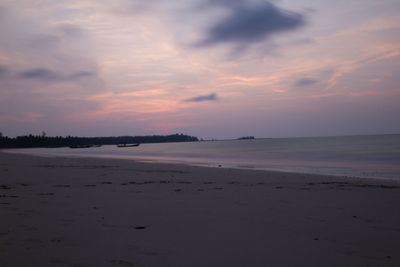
[{"x": 374, "y": 156}]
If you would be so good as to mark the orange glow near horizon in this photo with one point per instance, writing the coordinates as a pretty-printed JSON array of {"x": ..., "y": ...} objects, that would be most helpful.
[{"x": 108, "y": 65}]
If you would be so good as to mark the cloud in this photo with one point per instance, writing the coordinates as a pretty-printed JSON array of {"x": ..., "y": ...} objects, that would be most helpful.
[
  {"x": 305, "y": 82},
  {"x": 52, "y": 76},
  {"x": 2, "y": 12},
  {"x": 43, "y": 42},
  {"x": 202, "y": 98},
  {"x": 222, "y": 3},
  {"x": 252, "y": 23},
  {"x": 70, "y": 30},
  {"x": 3, "y": 71},
  {"x": 40, "y": 74},
  {"x": 82, "y": 74}
]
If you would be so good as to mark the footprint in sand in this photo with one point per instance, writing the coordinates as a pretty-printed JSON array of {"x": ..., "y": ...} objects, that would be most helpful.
[
  {"x": 46, "y": 194},
  {"x": 140, "y": 227},
  {"x": 8, "y": 196}
]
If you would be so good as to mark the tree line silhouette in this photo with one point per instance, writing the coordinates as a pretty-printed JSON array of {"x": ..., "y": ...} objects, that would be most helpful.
[{"x": 59, "y": 141}]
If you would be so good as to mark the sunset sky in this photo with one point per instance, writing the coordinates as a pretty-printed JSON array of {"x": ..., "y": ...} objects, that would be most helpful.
[{"x": 209, "y": 68}]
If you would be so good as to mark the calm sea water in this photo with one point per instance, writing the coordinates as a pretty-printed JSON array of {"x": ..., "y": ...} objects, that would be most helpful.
[{"x": 375, "y": 156}]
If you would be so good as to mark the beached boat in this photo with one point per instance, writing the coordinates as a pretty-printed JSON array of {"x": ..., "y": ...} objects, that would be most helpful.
[{"x": 127, "y": 145}]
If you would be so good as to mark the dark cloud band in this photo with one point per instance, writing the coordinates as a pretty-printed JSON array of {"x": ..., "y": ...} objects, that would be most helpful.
[
  {"x": 249, "y": 24},
  {"x": 51, "y": 76},
  {"x": 202, "y": 98},
  {"x": 40, "y": 74},
  {"x": 305, "y": 82}
]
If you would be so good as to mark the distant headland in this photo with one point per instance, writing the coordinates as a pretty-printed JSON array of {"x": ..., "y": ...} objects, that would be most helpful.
[{"x": 59, "y": 141}]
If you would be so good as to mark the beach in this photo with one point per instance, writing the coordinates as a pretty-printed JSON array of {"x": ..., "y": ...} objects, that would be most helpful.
[{"x": 71, "y": 211}]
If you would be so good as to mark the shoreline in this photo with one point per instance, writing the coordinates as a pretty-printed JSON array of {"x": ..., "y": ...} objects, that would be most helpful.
[
  {"x": 114, "y": 212},
  {"x": 203, "y": 165}
]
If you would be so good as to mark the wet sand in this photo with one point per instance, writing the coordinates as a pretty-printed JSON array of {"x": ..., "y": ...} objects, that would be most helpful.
[{"x": 105, "y": 212}]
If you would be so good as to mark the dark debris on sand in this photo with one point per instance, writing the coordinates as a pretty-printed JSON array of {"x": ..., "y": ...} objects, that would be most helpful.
[{"x": 350, "y": 184}]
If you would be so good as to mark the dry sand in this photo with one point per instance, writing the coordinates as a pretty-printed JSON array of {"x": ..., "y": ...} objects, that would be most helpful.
[{"x": 103, "y": 212}]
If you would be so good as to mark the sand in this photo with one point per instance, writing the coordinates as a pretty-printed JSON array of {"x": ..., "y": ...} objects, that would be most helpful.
[{"x": 105, "y": 212}]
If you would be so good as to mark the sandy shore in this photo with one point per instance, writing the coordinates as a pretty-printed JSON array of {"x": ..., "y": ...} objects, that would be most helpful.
[{"x": 100, "y": 212}]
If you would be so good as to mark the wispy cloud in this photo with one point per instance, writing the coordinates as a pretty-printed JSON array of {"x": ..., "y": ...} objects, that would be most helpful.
[
  {"x": 305, "y": 82},
  {"x": 70, "y": 30},
  {"x": 81, "y": 74},
  {"x": 202, "y": 98},
  {"x": 3, "y": 71}
]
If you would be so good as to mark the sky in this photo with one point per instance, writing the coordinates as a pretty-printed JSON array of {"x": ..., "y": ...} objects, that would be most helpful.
[{"x": 208, "y": 68}]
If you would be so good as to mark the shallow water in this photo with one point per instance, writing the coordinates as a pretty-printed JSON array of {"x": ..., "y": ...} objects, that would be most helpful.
[{"x": 375, "y": 156}]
